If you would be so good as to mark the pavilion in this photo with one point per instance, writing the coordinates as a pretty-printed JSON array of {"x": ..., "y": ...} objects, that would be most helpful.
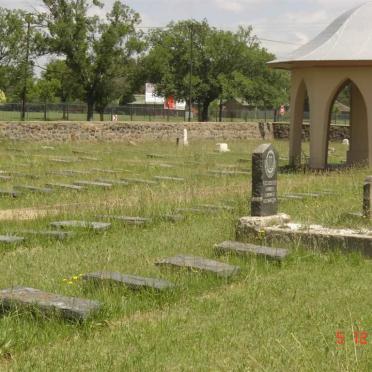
[{"x": 341, "y": 55}]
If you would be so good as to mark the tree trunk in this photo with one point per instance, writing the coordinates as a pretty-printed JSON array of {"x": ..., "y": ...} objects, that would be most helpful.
[
  {"x": 220, "y": 111},
  {"x": 101, "y": 115},
  {"x": 205, "y": 112},
  {"x": 200, "y": 116},
  {"x": 90, "y": 112}
]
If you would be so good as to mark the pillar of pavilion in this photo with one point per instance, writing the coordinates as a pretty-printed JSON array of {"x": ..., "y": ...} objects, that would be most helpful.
[{"x": 341, "y": 55}]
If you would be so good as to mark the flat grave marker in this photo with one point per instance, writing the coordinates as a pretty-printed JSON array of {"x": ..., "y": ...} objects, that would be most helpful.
[
  {"x": 216, "y": 207},
  {"x": 65, "y": 186},
  {"x": 61, "y": 235},
  {"x": 264, "y": 200},
  {"x": 168, "y": 178},
  {"x": 244, "y": 249},
  {"x": 81, "y": 224},
  {"x": 88, "y": 158},
  {"x": 291, "y": 197},
  {"x": 43, "y": 190},
  {"x": 128, "y": 219},
  {"x": 131, "y": 281},
  {"x": 103, "y": 185},
  {"x": 139, "y": 180},
  {"x": 10, "y": 239},
  {"x": 228, "y": 173},
  {"x": 63, "y": 161},
  {"x": 113, "y": 171},
  {"x": 195, "y": 210},
  {"x": 71, "y": 308},
  {"x": 201, "y": 264},
  {"x": 113, "y": 182}
]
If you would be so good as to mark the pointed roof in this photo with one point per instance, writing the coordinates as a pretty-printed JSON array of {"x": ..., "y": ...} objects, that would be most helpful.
[{"x": 347, "y": 41}]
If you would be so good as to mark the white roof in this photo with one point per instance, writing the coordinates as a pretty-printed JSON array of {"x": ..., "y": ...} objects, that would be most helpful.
[{"x": 348, "y": 39}]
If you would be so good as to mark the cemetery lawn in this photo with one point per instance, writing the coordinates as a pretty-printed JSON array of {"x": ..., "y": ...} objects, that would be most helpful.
[{"x": 269, "y": 317}]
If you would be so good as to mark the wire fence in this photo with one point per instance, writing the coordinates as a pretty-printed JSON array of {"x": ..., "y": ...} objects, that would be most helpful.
[{"x": 78, "y": 112}]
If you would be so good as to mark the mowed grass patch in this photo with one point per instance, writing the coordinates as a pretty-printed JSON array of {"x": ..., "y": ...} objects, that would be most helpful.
[{"x": 268, "y": 317}]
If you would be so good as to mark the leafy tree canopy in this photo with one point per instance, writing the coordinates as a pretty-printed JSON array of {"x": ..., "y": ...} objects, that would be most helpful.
[{"x": 95, "y": 49}]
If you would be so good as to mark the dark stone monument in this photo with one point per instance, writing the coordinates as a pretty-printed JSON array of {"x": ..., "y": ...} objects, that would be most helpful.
[
  {"x": 264, "y": 200},
  {"x": 367, "y": 196}
]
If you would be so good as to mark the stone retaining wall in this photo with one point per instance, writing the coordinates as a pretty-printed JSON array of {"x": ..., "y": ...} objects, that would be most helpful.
[
  {"x": 140, "y": 131},
  {"x": 336, "y": 132},
  {"x": 134, "y": 131}
]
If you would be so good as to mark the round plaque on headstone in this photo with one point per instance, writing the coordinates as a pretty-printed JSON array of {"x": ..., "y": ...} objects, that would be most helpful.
[{"x": 264, "y": 200}]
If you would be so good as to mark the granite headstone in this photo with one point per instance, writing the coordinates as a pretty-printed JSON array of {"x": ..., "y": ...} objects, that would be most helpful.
[{"x": 264, "y": 200}]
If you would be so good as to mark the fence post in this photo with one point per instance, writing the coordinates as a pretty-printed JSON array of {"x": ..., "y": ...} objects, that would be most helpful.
[{"x": 131, "y": 112}]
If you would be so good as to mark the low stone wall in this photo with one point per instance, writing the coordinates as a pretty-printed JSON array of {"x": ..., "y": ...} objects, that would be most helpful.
[
  {"x": 146, "y": 131},
  {"x": 133, "y": 131},
  {"x": 336, "y": 132}
]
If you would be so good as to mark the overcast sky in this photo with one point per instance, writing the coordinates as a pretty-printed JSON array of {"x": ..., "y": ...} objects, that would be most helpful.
[{"x": 292, "y": 21}]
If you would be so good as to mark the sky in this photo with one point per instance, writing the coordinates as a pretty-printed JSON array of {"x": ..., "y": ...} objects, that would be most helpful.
[{"x": 290, "y": 22}]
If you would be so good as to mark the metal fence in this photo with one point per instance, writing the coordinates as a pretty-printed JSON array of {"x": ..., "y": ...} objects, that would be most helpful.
[{"x": 78, "y": 112}]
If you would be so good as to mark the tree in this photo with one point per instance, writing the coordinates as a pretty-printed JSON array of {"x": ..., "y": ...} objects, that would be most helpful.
[
  {"x": 95, "y": 49},
  {"x": 212, "y": 57}
]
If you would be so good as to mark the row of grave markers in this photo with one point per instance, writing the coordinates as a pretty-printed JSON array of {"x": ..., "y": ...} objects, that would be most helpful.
[{"x": 79, "y": 309}]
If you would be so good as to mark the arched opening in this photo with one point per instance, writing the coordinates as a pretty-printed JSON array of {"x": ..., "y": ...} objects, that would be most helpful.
[
  {"x": 347, "y": 121},
  {"x": 300, "y": 126}
]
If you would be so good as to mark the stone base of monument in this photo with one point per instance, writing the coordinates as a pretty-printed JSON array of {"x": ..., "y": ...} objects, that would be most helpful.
[{"x": 268, "y": 232}]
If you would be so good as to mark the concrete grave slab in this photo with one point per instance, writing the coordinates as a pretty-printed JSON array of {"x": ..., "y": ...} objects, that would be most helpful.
[
  {"x": 291, "y": 197},
  {"x": 195, "y": 210},
  {"x": 312, "y": 236},
  {"x": 228, "y": 173},
  {"x": 130, "y": 281},
  {"x": 65, "y": 186},
  {"x": 308, "y": 194},
  {"x": 88, "y": 158},
  {"x": 128, "y": 219},
  {"x": 63, "y": 161},
  {"x": 113, "y": 182},
  {"x": 9, "y": 239},
  {"x": 139, "y": 180},
  {"x": 112, "y": 171},
  {"x": 216, "y": 207},
  {"x": 72, "y": 172},
  {"x": 61, "y": 235},
  {"x": 244, "y": 249},
  {"x": 24, "y": 175},
  {"x": 103, "y": 185},
  {"x": 162, "y": 165},
  {"x": 200, "y": 264},
  {"x": 167, "y": 178},
  {"x": 81, "y": 224},
  {"x": 71, "y": 308},
  {"x": 43, "y": 190}
]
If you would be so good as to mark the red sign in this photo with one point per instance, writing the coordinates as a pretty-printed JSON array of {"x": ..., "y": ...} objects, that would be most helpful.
[{"x": 170, "y": 103}]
